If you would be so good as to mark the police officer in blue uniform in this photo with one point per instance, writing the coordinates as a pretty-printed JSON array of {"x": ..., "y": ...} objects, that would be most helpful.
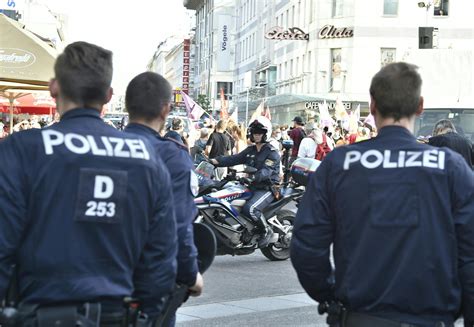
[
  {"x": 147, "y": 101},
  {"x": 400, "y": 215},
  {"x": 85, "y": 211},
  {"x": 266, "y": 159}
]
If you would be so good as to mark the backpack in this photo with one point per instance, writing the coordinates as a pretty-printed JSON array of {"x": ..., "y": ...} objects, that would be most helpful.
[{"x": 322, "y": 149}]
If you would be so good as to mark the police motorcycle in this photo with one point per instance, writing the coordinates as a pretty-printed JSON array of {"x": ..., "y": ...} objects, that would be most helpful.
[{"x": 220, "y": 204}]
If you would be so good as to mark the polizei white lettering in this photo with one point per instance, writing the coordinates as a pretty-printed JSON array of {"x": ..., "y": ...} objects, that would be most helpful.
[
  {"x": 372, "y": 159},
  {"x": 107, "y": 146}
]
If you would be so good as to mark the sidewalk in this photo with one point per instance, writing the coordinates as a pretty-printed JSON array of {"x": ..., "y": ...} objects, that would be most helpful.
[{"x": 255, "y": 305}]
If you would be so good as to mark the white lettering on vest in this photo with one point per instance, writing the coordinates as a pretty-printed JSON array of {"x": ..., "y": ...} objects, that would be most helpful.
[
  {"x": 82, "y": 149},
  {"x": 411, "y": 161},
  {"x": 82, "y": 144},
  {"x": 351, "y": 156},
  {"x": 374, "y": 158},
  {"x": 386, "y": 160},
  {"x": 95, "y": 149},
  {"x": 51, "y": 138},
  {"x": 103, "y": 187},
  {"x": 118, "y": 149},
  {"x": 371, "y": 153}
]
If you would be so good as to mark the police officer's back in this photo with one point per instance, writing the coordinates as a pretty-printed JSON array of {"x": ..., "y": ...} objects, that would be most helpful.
[
  {"x": 400, "y": 215},
  {"x": 81, "y": 211},
  {"x": 148, "y": 103}
]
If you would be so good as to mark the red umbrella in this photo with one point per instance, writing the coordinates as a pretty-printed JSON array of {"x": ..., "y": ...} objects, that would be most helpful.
[{"x": 33, "y": 104}]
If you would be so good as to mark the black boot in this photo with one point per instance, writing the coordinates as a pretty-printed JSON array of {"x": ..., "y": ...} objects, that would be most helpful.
[{"x": 266, "y": 233}]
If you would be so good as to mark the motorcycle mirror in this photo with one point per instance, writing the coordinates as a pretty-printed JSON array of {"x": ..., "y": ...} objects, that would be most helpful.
[{"x": 250, "y": 170}]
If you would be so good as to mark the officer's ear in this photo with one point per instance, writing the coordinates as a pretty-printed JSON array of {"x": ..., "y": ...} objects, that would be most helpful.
[
  {"x": 110, "y": 93},
  {"x": 165, "y": 111},
  {"x": 53, "y": 88},
  {"x": 373, "y": 106},
  {"x": 420, "y": 108}
]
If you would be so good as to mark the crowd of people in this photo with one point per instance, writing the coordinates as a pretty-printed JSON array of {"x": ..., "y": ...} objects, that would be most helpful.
[{"x": 97, "y": 223}]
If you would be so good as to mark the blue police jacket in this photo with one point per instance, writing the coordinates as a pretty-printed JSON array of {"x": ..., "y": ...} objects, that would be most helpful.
[
  {"x": 86, "y": 215},
  {"x": 181, "y": 168},
  {"x": 267, "y": 163},
  {"x": 400, "y": 215}
]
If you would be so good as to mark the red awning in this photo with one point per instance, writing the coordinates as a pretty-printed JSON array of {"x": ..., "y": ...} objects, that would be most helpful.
[{"x": 33, "y": 104}]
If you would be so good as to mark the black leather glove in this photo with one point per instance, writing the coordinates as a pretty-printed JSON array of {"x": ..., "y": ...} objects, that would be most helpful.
[{"x": 246, "y": 180}]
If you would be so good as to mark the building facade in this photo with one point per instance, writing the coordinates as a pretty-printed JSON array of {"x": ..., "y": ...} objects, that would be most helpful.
[
  {"x": 297, "y": 53},
  {"x": 213, "y": 48}
]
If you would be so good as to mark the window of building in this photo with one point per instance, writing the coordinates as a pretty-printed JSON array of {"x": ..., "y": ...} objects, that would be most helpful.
[
  {"x": 387, "y": 55},
  {"x": 287, "y": 14},
  {"x": 291, "y": 68},
  {"x": 337, "y": 6},
  {"x": 336, "y": 74},
  {"x": 441, "y": 7},
  {"x": 390, "y": 7},
  {"x": 227, "y": 86},
  {"x": 293, "y": 21},
  {"x": 264, "y": 42},
  {"x": 297, "y": 69},
  {"x": 311, "y": 15}
]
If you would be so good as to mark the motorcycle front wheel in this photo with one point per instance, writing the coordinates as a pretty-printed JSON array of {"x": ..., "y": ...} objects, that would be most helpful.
[{"x": 281, "y": 250}]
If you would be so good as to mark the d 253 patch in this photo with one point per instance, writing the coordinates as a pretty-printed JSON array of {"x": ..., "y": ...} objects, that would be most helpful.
[{"x": 101, "y": 195}]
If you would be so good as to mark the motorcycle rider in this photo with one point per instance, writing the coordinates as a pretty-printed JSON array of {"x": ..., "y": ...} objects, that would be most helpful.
[{"x": 266, "y": 159}]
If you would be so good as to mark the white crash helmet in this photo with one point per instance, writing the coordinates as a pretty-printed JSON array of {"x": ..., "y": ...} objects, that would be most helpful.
[{"x": 263, "y": 125}]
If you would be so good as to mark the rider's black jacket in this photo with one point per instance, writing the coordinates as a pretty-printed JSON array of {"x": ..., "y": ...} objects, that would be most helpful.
[{"x": 267, "y": 163}]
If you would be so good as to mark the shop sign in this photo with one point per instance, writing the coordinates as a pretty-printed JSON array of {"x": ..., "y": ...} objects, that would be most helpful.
[
  {"x": 331, "y": 32},
  {"x": 16, "y": 58},
  {"x": 293, "y": 33},
  {"x": 186, "y": 57},
  {"x": 314, "y": 105},
  {"x": 223, "y": 51}
]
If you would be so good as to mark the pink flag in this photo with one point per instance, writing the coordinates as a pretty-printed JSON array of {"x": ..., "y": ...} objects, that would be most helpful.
[
  {"x": 194, "y": 110},
  {"x": 370, "y": 120},
  {"x": 341, "y": 113},
  {"x": 324, "y": 116},
  {"x": 266, "y": 113}
]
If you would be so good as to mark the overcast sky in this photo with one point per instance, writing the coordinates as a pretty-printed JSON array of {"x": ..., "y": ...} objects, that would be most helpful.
[{"x": 131, "y": 29}]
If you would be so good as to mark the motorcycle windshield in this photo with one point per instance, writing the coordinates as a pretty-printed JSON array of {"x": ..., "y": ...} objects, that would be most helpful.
[{"x": 205, "y": 173}]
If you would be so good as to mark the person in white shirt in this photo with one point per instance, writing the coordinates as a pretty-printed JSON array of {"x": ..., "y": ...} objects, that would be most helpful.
[{"x": 309, "y": 143}]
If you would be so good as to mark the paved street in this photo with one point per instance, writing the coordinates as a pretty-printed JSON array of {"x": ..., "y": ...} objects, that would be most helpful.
[{"x": 250, "y": 291}]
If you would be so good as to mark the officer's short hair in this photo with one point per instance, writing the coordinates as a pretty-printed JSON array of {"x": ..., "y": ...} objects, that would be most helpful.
[
  {"x": 84, "y": 73},
  {"x": 396, "y": 89},
  {"x": 443, "y": 126},
  {"x": 146, "y": 95}
]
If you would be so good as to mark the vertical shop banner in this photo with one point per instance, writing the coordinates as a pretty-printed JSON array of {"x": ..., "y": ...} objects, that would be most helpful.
[
  {"x": 186, "y": 64},
  {"x": 223, "y": 50}
]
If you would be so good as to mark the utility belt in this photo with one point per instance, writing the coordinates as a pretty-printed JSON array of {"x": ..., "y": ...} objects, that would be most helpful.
[
  {"x": 338, "y": 316},
  {"x": 72, "y": 315}
]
